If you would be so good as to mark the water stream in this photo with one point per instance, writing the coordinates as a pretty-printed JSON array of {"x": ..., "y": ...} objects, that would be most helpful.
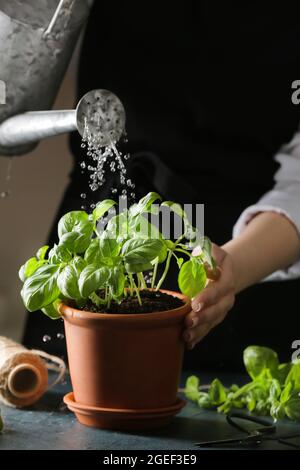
[{"x": 100, "y": 160}]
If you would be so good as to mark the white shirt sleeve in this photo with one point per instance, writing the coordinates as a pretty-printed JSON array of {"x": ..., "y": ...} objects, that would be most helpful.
[{"x": 283, "y": 198}]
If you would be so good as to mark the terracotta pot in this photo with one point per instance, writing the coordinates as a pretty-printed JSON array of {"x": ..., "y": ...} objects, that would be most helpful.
[{"x": 126, "y": 363}]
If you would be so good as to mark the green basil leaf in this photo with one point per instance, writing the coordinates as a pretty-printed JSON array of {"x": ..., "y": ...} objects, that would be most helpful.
[
  {"x": 275, "y": 390},
  {"x": 292, "y": 409},
  {"x": 91, "y": 279},
  {"x": 138, "y": 268},
  {"x": 118, "y": 226},
  {"x": 41, "y": 288},
  {"x": 75, "y": 231},
  {"x": 108, "y": 246},
  {"x": 294, "y": 375},
  {"x": 75, "y": 221},
  {"x": 277, "y": 411},
  {"x": 192, "y": 278},
  {"x": 206, "y": 254},
  {"x": 286, "y": 393},
  {"x": 282, "y": 372},
  {"x": 93, "y": 253},
  {"x": 75, "y": 242},
  {"x": 101, "y": 208},
  {"x": 163, "y": 253},
  {"x": 59, "y": 254},
  {"x": 79, "y": 264},
  {"x": 116, "y": 281},
  {"x": 258, "y": 358},
  {"x": 191, "y": 388},
  {"x": 262, "y": 408},
  {"x": 29, "y": 268},
  {"x": 190, "y": 231},
  {"x": 140, "y": 251},
  {"x": 144, "y": 204},
  {"x": 170, "y": 244},
  {"x": 204, "y": 401},
  {"x": 140, "y": 227},
  {"x": 52, "y": 310},
  {"x": 217, "y": 392},
  {"x": 42, "y": 252},
  {"x": 67, "y": 282},
  {"x": 251, "y": 401}
]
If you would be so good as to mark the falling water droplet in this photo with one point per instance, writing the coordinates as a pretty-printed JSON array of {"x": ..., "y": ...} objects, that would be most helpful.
[
  {"x": 60, "y": 336},
  {"x": 94, "y": 187},
  {"x": 46, "y": 338},
  {"x": 83, "y": 195},
  {"x": 4, "y": 194}
]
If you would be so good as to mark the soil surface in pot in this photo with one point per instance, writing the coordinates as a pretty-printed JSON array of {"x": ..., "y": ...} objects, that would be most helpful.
[{"x": 151, "y": 302}]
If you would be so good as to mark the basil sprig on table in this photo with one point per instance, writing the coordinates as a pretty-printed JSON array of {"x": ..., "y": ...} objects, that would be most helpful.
[
  {"x": 109, "y": 264},
  {"x": 274, "y": 389}
]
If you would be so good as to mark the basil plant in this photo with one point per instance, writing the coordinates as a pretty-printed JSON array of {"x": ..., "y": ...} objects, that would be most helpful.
[{"x": 110, "y": 262}]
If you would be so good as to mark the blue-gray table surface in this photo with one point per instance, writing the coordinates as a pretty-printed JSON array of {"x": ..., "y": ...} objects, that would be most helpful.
[{"x": 48, "y": 425}]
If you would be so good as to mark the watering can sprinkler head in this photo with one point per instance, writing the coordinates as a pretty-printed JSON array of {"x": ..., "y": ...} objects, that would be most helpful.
[{"x": 99, "y": 118}]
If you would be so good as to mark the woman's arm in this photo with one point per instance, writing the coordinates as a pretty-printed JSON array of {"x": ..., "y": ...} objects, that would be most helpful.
[
  {"x": 269, "y": 242},
  {"x": 265, "y": 242}
]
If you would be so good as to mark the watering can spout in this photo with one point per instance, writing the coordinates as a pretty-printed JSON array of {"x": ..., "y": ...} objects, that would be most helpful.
[
  {"x": 21, "y": 133},
  {"x": 99, "y": 118}
]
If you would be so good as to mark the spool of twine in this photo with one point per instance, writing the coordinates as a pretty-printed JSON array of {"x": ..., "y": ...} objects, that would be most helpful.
[{"x": 24, "y": 374}]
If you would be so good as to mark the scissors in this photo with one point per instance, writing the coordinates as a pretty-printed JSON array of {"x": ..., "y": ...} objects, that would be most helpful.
[{"x": 265, "y": 432}]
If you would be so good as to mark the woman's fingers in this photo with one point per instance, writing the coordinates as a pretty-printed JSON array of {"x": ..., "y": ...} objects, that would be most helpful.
[
  {"x": 215, "y": 313},
  {"x": 209, "y": 318},
  {"x": 191, "y": 341},
  {"x": 211, "y": 305},
  {"x": 215, "y": 289},
  {"x": 208, "y": 296}
]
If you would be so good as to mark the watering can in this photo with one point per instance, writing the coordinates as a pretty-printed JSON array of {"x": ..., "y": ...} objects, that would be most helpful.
[{"x": 37, "y": 38}]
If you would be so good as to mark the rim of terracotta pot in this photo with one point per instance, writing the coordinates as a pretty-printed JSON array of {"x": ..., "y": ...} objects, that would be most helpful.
[{"x": 76, "y": 316}]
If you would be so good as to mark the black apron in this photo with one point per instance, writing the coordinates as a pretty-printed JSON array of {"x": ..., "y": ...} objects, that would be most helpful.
[{"x": 207, "y": 92}]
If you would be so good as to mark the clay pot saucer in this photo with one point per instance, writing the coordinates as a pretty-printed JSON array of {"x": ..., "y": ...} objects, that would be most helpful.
[{"x": 122, "y": 419}]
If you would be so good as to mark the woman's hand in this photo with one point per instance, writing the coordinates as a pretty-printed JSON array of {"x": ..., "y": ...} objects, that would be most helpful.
[{"x": 212, "y": 304}]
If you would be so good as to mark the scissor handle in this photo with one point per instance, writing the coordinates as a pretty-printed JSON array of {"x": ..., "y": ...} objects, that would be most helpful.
[{"x": 267, "y": 427}]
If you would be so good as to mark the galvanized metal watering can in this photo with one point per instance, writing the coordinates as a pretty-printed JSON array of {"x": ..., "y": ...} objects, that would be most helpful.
[{"x": 37, "y": 38}]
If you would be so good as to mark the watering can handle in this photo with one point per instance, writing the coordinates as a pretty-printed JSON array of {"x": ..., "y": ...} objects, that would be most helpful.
[{"x": 59, "y": 20}]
